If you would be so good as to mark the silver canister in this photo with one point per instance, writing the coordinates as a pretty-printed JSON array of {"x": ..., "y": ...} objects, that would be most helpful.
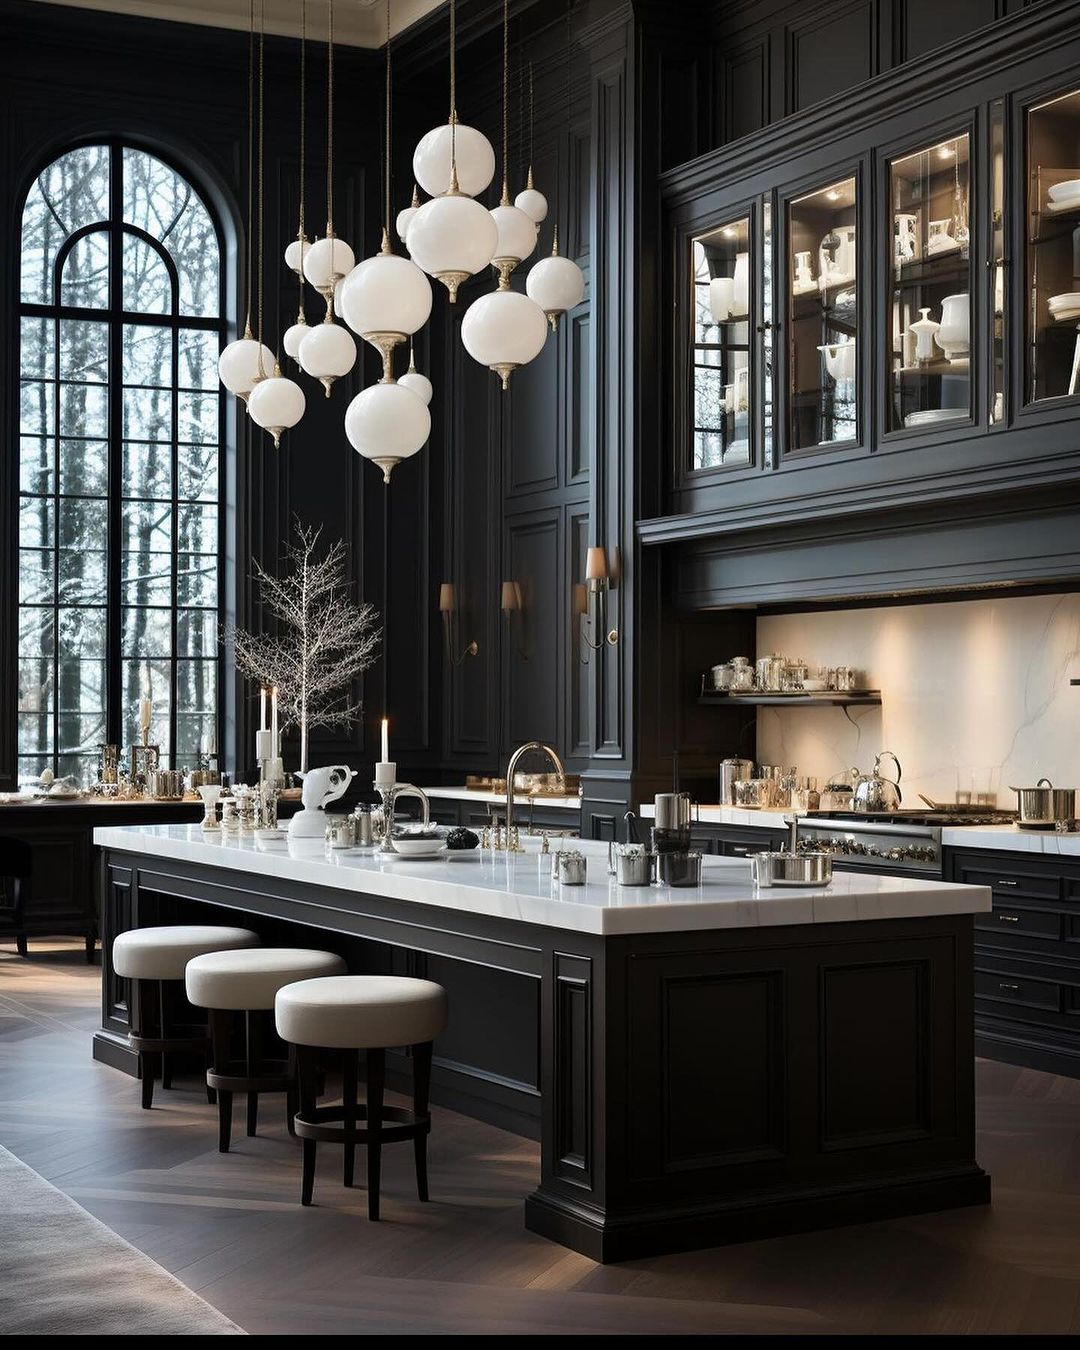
[
  {"x": 678, "y": 869},
  {"x": 770, "y": 673},
  {"x": 672, "y": 810},
  {"x": 365, "y": 828},
  {"x": 722, "y": 676},
  {"x": 742, "y": 675},
  {"x": 340, "y": 831},
  {"x": 634, "y": 865},
  {"x": 733, "y": 771},
  {"x": 570, "y": 867}
]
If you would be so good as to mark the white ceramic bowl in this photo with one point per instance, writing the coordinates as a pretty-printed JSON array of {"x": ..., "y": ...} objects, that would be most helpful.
[
  {"x": 419, "y": 848},
  {"x": 1061, "y": 192},
  {"x": 814, "y": 686}
]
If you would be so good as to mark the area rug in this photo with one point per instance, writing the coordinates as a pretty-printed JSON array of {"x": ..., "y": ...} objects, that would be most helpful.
[{"x": 63, "y": 1273}]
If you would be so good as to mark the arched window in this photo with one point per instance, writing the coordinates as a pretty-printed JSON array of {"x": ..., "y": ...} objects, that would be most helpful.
[{"x": 121, "y": 422}]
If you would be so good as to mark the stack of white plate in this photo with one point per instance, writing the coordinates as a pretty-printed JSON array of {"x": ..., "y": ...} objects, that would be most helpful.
[
  {"x": 929, "y": 415},
  {"x": 1065, "y": 306},
  {"x": 1064, "y": 196}
]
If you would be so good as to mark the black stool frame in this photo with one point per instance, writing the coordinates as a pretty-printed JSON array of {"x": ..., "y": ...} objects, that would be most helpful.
[
  {"x": 150, "y": 1037},
  {"x": 252, "y": 1074}
]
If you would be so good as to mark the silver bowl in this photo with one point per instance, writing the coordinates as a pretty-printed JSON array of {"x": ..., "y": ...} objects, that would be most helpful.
[{"x": 791, "y": 869}]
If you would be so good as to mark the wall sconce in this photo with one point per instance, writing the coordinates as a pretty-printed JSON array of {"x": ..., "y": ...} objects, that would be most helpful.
[
  {"x": 590, "y": 603},
  {"x": 511, "y": 602},
  {"x": 447, "y": 607}
]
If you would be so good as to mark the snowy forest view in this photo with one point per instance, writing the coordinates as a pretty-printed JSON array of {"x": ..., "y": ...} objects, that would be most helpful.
[{"x": 119, "y": 429}]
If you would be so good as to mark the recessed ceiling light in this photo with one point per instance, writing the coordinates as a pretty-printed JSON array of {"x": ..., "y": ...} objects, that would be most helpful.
[
  {"x": 728, "y": 232},
  {"x": 833, "y": 195},
  {"x": 945, "y": 152}
]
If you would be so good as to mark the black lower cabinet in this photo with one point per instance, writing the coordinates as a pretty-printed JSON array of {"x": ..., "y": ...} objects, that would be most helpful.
[
  {"x": 735, "y": 841},
  {"x": 1027, "y": 958}
]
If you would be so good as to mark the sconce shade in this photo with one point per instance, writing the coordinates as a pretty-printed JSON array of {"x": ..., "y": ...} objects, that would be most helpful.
[
  {"x": 419, "y": 384},
  {"x": 294, "y": 335},
  {"x": 446, "y": 598},
  {"x": 596, "y": 568},
  {"x": 503, "y": 330},
  {"x": 511, "y": 597},
  {"x": 474, "y": 160},
  {"x": 556, "y": 284}
]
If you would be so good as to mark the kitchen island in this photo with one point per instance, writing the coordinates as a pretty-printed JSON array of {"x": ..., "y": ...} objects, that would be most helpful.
[{"x": 702, "y": 1066}]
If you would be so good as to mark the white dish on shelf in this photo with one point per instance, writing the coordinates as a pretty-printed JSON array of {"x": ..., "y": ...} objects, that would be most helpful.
[
  {"x": 1067, "y": 189},
  {"x": 926, "y": 416},
  {"x": 1066, "y": 300},
  {"x": 1064, "y": 204},
  {"x": 419, "y": 848},
  {"x": 815, "y": 686}
]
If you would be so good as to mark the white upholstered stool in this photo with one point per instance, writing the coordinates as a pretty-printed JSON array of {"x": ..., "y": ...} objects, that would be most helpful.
[
  {"x": 152, "y": 959},
  {"x": 371, "y": 1013},
  {"x": 242, "y": 984}
]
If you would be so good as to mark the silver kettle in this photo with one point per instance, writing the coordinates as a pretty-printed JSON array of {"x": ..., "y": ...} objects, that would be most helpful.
[{"x": 874, "y": 792}]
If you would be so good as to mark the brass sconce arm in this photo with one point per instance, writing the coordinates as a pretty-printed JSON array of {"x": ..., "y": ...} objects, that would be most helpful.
[{"x": 447, "y": 607}]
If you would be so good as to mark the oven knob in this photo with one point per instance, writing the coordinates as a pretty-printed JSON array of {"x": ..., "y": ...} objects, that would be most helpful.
[{"x": 896, "y": 854}]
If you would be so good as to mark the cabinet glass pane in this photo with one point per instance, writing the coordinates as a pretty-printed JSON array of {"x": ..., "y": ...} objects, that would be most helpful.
[
  {"x": 720, "y": 268},
  {"x": 822, "y": 302},
  {"x": 997, "y": 262},
  {"x": 930, "y": 329},
  {"x": 1053, "y": 249}
]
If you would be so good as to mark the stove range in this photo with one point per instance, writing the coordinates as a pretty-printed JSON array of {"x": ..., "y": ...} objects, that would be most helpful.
[{"x": 907, "y": 842}]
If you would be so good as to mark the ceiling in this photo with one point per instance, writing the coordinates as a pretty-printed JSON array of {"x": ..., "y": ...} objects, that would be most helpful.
[{"x": 357, "y": 23}]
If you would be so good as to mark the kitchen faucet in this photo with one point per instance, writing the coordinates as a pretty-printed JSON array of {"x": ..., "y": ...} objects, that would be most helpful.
[{"x": 523, "y": 750}]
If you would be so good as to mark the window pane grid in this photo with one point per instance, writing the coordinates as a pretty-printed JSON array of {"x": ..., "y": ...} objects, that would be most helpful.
[{"x": 134, "y": 297}]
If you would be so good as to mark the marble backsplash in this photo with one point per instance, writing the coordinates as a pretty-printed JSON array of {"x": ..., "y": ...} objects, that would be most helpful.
[{"x": 976, "y": 694}]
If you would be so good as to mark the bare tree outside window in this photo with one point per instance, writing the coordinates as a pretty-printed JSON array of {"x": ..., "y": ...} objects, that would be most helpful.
[{"x": 120, "y": 414}]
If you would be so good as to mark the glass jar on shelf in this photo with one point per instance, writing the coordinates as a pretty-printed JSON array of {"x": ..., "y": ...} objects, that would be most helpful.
[
  {"x": 1053, "y": 249},
  {"x": 930, "y": 315},
  {"x": 822, "y": 275},
  {"x": 722, "y": 305}
]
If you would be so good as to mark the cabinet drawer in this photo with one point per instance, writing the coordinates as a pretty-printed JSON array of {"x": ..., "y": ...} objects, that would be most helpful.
[
  {"x": 1008, "y": 881},
  {"x": 1012, "y": 989},
  {"x": 1027, "y": 923}
]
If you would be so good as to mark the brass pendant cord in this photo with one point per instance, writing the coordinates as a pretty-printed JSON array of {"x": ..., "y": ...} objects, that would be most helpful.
[
  {"x": 330, "y": 122},
  {"x": 532, "y": 115},
  {"x": 386, "y": 150},
  {"x": 569, "y": 42},
  {"x": 303, "y": 134},
  {"x": 506, "y": 102},
  {"x": 453, "y": 98},
  {"x": 262, "y": 213},
  {"x": 251, "y": 169}
]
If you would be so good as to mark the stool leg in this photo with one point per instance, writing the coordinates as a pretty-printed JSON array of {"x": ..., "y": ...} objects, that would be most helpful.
[
  {"x": 166, "y": 1060},
  {"x": 348, "y": 1101},
  {"x": 249, "y": 1068},
  {"x": 307, "y": 1069},
  {"x": 220, "y": 1027},
  {"x": 139, "y": 994},
  {"x": 19, "y": 895},
  {"x": 421, "y": 1058},
  {"x": 147, "y": 1068},
  {"x": 292, "y": 1102},
  {"x": 376, "y": 1077}
]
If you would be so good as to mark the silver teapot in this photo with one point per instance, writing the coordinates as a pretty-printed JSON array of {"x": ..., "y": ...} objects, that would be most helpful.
[{"x": 875, "y": 792}]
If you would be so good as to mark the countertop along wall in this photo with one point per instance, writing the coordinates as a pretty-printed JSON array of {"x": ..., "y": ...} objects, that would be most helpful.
[{"x": 976, "y": 693}]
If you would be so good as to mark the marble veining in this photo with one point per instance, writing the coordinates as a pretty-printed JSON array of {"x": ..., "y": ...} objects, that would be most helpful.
[
  {"x": 520, "y": 887},
  {"x": 976, "y": 694}
]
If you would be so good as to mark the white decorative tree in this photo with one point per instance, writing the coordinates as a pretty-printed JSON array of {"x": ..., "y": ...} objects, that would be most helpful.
[{"x": 324, "y": 640}]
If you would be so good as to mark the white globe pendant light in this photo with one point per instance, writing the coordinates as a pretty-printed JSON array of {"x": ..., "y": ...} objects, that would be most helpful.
[
  {"x": 240, "y": 367},
  {"x": 557, "y": 284},
  {"x": 276, "y": 404},
  {"x": 327, "y": 352},
  {"x": 295, "y": 254},
  {"x": 452, "y": 238},
  {"x": 516, "y": 235},
  {"x": 504, "y": 330},
  {"x": 470, "y": 150},
  {"x": 326, "y": 262},
  {"x": 387, "y": 423},
  {"x": 532, "y": 201},
  {"x": 404, "y": 217},
  {"x": 385, "y": 299},
  {"x": 294, "y": 335},
  {"x": 419, "y": 384}
]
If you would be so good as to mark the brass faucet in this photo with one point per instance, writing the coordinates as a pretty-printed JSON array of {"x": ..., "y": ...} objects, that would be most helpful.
[{"x": 524, "y": 750}]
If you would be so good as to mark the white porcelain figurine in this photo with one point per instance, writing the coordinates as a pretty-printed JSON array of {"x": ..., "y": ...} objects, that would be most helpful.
[{"x": 321, "y": 787}]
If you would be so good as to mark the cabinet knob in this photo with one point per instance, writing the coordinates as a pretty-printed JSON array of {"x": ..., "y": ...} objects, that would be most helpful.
[{"x": 1008, "y": 918}]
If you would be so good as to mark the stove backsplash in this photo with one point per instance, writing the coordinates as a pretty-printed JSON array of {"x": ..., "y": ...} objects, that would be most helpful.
[{"x": 976, "y": 693}]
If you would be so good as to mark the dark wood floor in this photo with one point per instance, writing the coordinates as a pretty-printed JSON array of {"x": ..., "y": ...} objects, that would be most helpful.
[{"x": 230, "y": 1226}]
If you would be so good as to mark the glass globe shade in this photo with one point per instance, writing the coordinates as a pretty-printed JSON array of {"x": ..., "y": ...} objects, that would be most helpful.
[
  {"x": 517, "y": 233},
  {"x": 326, "y": 261},
  {"x": 238, "y": 365},
  {"x": 276, "y": 404},
  {"x": 473, "y": 157},
  {"x": 452, "y": 238},
  {"x": 556, "y": 284},
  {"x": 385, "y": 294},
  {"x": 294, "y": 335},
  {"x": 404, "y": 220},
  {"x": 387, "y": 423},
  {"x": 503, "y": 330},
  {"x": 295, "y": 255},
  {"x": 419, "y": 384},
  {"x": 533, "y": 203},
  {"x": 327, "y": 352}
]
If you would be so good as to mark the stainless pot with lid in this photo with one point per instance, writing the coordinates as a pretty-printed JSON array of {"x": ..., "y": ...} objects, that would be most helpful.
[{"x": 1045, "y": 804}]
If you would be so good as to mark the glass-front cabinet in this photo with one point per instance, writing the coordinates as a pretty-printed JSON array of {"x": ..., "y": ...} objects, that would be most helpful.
[
  {"x": 929, "y": 319},
  {"x": 823, "y": 317},
  {"x": 1052, "y": 262},
  {"x": 721, "y": 280}
]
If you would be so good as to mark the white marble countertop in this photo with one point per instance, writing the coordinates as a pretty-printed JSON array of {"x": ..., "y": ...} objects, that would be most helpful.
[
  {"x": 520, "y": 886},
  {"x": 727, "y": 815},
  {"x": 1012, "y": 839},
  {"x": 464, "y": 794}
]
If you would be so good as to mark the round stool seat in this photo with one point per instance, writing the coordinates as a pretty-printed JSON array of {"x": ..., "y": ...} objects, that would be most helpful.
[
  {"x": 163, "y": 953},
  {"x": 246, "y": 980},
  {"x": 360, "y": 1012}
]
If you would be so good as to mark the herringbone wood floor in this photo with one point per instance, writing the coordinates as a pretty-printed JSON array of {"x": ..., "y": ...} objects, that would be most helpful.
[{"x": 231, "y": 1227}]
